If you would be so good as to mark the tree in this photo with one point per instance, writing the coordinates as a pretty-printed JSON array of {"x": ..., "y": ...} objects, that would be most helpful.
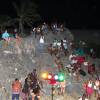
[
  {"x": 4, "y": 21},
  {"x": 26, "y": 12}
]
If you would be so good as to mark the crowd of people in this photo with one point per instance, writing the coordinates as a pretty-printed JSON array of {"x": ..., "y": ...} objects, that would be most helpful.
[
  {"x": 58, "y": 46},
  {"x": 78, "y": 66},
  {"x": 41, "y": 30},
  {"x": 7, "y": 37},
  {"x": 30, "y": 90},
  {"x": 44, "y": 28}
]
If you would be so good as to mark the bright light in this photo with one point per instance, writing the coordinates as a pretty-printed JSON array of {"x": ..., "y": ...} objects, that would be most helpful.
[
  {"x": 56, "y": 77},
  {"x": 49, "y": 76},
  {"x": 61, "y": 77},
  {"x": 45, "y": 75}
]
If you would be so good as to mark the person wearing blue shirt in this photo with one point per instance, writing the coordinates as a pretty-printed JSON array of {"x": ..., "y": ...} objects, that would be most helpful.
[{"x": 6, "y": 37}]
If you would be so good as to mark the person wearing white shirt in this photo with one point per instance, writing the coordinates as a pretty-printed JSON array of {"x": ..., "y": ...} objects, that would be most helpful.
[
  {"x": 42, "y": 39},
  {"x": 71, "y": 56}
]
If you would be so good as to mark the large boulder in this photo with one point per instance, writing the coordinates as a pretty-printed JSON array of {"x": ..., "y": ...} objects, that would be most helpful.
[{"x": 17, "y": 60}]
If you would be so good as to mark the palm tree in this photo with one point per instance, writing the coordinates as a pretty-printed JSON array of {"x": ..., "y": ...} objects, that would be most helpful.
[
  {"x": 4, "y": 21},
  {"x": 26, "y": 12}
]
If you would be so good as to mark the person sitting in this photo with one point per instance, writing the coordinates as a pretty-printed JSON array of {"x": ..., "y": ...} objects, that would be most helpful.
[
  {"x": 96, "y": 86},
  {"x": 6, "y": 37},
  {"x": 55, "y": 43},
  {"x": 91, "y": 69},
  {"x": 18, "y": 40},
  {"x": 71, "y": 56},
  {"x": 64, "y": 46},
  {"x": 42, "y": 40}
]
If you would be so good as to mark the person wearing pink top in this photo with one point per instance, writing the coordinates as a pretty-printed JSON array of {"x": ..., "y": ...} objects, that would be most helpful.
[{"x": 89, "y": 89}]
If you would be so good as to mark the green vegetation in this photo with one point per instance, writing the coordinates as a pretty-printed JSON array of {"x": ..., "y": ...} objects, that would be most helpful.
[{"x": 26, "y": 14}]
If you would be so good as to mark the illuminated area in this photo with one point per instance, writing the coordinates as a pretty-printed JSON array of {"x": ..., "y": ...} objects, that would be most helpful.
[
  {"x": 61, "y": 77},
  {"x": 50, "y": 77},
  {"x": 50, "y": 53},
  {"x": 56, "y": 77},
  {"x": 45, "y": 75}
]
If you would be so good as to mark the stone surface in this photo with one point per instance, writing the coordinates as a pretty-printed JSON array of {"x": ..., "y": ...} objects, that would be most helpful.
[{"x": 18, "y": 61}]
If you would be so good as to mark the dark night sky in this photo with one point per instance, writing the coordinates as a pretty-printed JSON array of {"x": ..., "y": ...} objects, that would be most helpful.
[{"x": 76, "y": 13}]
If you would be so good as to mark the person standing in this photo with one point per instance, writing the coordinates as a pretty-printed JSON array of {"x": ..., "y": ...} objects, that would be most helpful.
[
  {"x": 63, "y": 86},
  {"x": 16, "y": 89},
  {"x": 42, "y": 39},
  {"x": 25, "y": 90},
  {"x": 89, "y": 89},
  {"x": 96, "y": 86}
]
